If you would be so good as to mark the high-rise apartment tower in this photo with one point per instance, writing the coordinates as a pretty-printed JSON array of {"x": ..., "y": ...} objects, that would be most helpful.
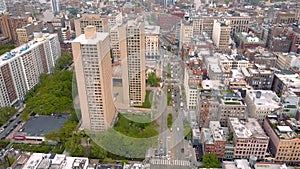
[{"x": 93, "y": 69}]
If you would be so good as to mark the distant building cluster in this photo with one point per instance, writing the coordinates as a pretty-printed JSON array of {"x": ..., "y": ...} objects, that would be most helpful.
[{"x": 240, "y": 62}]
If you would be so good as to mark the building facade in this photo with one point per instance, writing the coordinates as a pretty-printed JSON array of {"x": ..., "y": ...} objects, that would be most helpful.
[
  {"x": 284, "y": 139},
  {"x": 10, "y": 24},
  {"x": 117, "y": 35},
  {"x": 152, "y": 42},
  {"x": 135, "y": 39},
  {"x": 214, "y": 139},
  {"x": 249, "y": 138},
  {"x": 93, "y": 69},
  {"x": 21, "y": 67},
  {"x": 261, "y": 103},
  {"x": 96, "y": 20},
  {"x": 221, "y": 34}
]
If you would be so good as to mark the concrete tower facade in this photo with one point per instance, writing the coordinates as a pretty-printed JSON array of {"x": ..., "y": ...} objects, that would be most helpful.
[{"x": 93, "y": 69}]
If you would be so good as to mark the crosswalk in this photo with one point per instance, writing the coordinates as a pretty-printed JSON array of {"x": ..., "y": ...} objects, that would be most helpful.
[{"x": 169, "y": 162}]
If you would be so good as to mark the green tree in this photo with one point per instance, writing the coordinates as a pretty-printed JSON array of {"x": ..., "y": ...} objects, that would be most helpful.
[
  {"x": 6, "y": 113},
  {"x": 97, "y": 151},
  {"x": 169, "y": 48},
  {"x": 210, "y": 161},
  {"x": 108, "y": 161},
  {"x": 52, "y": 95},
  {"x": 4, "y": 143},
  {"x": 63, "y": 61},
  {"x": 4, "y": 48},
  {"x": 153, "y": 80}
]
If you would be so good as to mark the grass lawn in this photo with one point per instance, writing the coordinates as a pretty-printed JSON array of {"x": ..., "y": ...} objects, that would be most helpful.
[
  {"x": 4, "y": 49},
  {"x": 147, "y": 102},
  {"x": 135, "y": 129},
  {"x": 232, "y": 103},
  {"x": 169, "y": 120},
  {"x": 169, "y": 96},
  {"x": 140, "y": 118}
]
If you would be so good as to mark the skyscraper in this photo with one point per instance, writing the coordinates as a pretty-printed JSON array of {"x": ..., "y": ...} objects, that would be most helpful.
[
  {"x": 93, "y": 69},
  {"x": 135, "y": 37}
]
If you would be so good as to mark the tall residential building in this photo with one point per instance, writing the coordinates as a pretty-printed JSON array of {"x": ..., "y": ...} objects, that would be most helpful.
[
  {"x": 249, "y": 138},
  {"x": 9, "y": 26},
  {"x": 135, "y": 38},
  {"x": 55, "y": 4},
  {"x": 221, "y": 34},
  {"x": 96, "y": 20},
  {"x": 114, "y": 18},
  {"x": 21, "y": 67},
  {"x": 93, "y": 69},
  {"x": 117, "y": 35},
  {"x": 2, "y": 6}
]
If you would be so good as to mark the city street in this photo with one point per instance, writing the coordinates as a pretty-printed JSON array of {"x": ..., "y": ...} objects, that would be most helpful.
[
  {"x": 10, "y": 125},
  {"x": 173, "y": 150}
]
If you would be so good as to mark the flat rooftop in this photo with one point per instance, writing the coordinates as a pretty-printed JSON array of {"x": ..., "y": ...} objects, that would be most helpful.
[
  {"x": 42, "y": 125},
  {"x": 55, "y": 161},
  {"x": 214, "y": 133},
  {"x": 247, "y": 129},
  {"x": 100, "y": 36},
  {"x": 264, "y": 98},
  {"x": 249, "y": 38},
  {"x": 152, "y": 30},
  {"x": 21, "y": 50}
]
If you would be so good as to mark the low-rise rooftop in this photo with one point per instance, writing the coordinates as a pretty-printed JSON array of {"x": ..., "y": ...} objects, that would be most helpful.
[
  {"x": 249, "y": 38},
  {"x": 264, "y": 98},
  {"x": 214, "y": 133},
  {"x": 283, "y": 128}
]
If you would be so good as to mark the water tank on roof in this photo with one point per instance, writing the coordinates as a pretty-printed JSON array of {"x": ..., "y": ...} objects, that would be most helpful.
[{"x": 258, "y": 94}]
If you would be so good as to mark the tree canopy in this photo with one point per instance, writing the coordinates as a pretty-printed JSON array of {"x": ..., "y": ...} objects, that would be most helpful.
[
  {"x": 63, "y": 61},
  {"x": 210, "y": 161},
  {"x": 6, "y": 113},
  {"x": 4, "y": 49},
  {"x": 52, "y": 95},
  {"x": 153, "y": 80}
]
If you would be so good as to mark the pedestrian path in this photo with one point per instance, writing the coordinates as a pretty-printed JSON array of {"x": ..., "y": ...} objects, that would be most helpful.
[{"x": 169, "y": 162}]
